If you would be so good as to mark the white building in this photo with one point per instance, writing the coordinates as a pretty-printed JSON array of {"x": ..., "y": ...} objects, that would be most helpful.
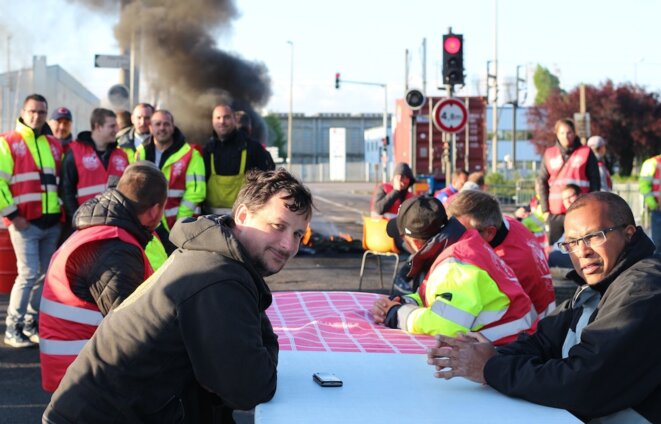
[{"x": 52, "y": 82}]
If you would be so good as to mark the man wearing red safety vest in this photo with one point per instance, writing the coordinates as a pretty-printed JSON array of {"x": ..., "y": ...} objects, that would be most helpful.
[
  {"x": 388, "y": 197},
  {"x": 598, "y": 146},
  {"x": 99, "y": 266},
  {"x": 464, "y": 286},
  {"x": 566, "y": 162},
  {"x": 511, "y": 241},
  {"x": 93, "y": 162},
  {"x": 29, "y": 169},
  {"x": 183, "y": 167}
]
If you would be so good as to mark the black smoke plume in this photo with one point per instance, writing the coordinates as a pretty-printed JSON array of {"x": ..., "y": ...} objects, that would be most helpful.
[{"x": 184, "y": 68}]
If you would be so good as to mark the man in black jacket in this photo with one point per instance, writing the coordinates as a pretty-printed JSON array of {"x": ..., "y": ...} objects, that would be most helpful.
[
  {"x": 596, "y": 355},
  {"x": 228, "y": 155},
  {"x": 200, "y": 320}
]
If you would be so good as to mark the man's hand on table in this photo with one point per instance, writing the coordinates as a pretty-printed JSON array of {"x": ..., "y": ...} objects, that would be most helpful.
[
  {"x": 461, "y": 356},
  {"x": 381, "y": 308}
]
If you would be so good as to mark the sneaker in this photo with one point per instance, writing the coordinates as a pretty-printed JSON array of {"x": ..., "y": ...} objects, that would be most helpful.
[
  {"x": 31, "y": 331},
  {"x": 16, "y": 338}
]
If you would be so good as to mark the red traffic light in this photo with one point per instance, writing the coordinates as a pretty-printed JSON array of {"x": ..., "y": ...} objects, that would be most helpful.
[{"x": 452, "y": 45}]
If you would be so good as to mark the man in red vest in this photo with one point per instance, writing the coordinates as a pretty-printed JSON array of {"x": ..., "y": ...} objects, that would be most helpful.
[
  {"x": 29, "y": 168},
  {"x": 459, "y": 178},
  {"x": 389, "y": 196},
  {"x": 93, "y": 162},
  {"x": 511, "y": 241},
  {"x": 598, "y": 146},
  {"x": 99, "y": 266},
  {"x": 566, "y": 162}
]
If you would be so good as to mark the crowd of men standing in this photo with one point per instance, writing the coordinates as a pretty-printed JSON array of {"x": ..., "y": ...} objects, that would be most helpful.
[{"x": 46, "y": 174}]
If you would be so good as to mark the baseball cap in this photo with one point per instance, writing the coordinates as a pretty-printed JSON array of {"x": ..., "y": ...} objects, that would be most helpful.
[
  {"x": 61, "y": 113},
  {"x": 419, "y": 217},
  {"x": 403, "y": 168},
  {"x": 596, "y": 142}
]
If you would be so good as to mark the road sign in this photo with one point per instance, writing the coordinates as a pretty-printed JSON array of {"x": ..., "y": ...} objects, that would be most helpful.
[
  {"x": 112, "y": 61},
  {"x": 450, "y": 115}
]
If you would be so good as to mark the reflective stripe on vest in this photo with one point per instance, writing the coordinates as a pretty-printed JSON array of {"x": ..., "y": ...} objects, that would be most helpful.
[
  {"x": 70, "y": 313},
  {"x": 463, "y": 318},
  {"x": 61, "y": 347},
  {"x": 92, "y": 190},
  {"x": 512, "y": 327}
]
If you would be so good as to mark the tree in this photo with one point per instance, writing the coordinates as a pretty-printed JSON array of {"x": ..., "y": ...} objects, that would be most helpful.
[
  {"x": 627, "y": 116},
  {"x": 276, "y": 135},
  {"x": 545, "y": 83}
]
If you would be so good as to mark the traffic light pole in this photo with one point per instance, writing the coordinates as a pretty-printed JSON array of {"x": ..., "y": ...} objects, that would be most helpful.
[{"x": 384, "y": 148}]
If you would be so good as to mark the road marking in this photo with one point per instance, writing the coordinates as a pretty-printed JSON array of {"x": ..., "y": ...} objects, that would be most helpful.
[{"x": 323, "y": 199}]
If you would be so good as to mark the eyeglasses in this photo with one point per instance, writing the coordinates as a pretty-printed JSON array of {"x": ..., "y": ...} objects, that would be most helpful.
[{"x": 589, "y": 240}]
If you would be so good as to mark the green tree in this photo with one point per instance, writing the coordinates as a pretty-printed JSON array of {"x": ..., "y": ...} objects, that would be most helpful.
[
  {"x": 545, "y": 83},
  {"x": 276, "y": 136}
]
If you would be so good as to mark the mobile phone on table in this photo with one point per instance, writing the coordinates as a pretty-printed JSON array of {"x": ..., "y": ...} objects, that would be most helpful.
[{"x": 326, "y": 379}]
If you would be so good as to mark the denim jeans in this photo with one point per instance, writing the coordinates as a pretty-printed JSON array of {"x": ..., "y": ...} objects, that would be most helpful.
[
  {"x": 33, "y": 247},
  {"x": 656, "y": 230}
]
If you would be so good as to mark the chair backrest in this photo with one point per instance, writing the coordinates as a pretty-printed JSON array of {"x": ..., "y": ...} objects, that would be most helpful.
[{"x": 375, "y": 237}]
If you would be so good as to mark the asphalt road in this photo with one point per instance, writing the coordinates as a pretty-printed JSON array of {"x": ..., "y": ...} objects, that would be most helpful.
[{"x": 325, "y": 265}]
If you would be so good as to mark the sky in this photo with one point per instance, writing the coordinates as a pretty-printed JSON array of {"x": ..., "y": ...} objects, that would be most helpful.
[{"x": 585, "y": 41}]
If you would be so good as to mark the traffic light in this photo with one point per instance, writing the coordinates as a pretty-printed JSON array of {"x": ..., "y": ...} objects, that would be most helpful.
[
  {"x": 337, "y": 80},
  {"x": 453, "y": 59}
]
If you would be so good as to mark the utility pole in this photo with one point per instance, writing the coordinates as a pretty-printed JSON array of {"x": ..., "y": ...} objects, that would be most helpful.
[
  {"x": 494, "y": 105},
  {"x": 515, "y": 105},
  {"x": 291, "y": 104},
  {"x": 424, "y": 66}
]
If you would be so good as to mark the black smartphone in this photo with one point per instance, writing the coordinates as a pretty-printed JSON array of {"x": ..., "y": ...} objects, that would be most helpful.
[{"x": 326, "y": 379}]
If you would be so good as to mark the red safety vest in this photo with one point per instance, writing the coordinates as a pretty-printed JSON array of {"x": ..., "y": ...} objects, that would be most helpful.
[
  {"x": 67, "y": 322},
  {"x": 449, "y": 191},
  {"x": 562, "y": 173},
  {"x": 25, "y": 185},
  {"x": 176, "y": 187},
  {"x": 92, "y": 176},
  {"x": 387, "y": 188},
  {"x": 520, "y": 315},
  {"x": 522, "y": 252}
]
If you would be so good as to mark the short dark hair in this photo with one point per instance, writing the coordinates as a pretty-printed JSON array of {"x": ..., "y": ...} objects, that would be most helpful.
[
  {"x": 36, "y": 97},
  {"x": 483, "y": 208},
  {"x": 243, "y": 119},
  {"x": 618, "y": 209},
  {"x": 261, "y": 186},
  {"x": 144, "y": 185},
  {"x": 99, "y": 116},
  {"x": 459, "y": 172}
]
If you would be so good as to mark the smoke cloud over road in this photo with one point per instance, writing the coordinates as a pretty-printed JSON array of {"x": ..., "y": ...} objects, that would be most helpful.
[{"x": 186, "y": 71}]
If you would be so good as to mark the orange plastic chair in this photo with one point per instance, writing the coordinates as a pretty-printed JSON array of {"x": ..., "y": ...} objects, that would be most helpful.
[{"x": 377, "y": 242}]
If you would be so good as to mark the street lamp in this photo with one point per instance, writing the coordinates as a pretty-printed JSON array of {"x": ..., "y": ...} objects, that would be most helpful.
[{"x": 291, "y": 102}]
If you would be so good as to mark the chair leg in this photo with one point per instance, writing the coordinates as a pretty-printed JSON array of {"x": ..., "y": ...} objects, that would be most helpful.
[
  {"x": 362, "y": 270},
  {"x": 378, "y": 258}
]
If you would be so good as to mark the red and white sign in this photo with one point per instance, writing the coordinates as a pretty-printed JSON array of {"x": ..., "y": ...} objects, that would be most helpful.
[{"x": 450, "y": 115}]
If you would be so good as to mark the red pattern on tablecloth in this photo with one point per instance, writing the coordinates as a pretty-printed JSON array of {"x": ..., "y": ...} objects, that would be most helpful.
[{"x": 337, "y": 322}]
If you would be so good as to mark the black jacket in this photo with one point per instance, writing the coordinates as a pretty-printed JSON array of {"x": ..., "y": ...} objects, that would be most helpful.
[
  {"x": 591, "y": 170},
  {"x": 106, "y": 272},
  {"x": 383, "y": 201},
  {"x": 615, "y": 366},
  {"x": 200, "y": 319},
  {"x": 69, "y": 178},
  {"x": 227, "y": 154}
]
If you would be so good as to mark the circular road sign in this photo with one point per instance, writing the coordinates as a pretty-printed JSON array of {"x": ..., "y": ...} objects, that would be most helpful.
[{"x": 450, "y": 115}]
